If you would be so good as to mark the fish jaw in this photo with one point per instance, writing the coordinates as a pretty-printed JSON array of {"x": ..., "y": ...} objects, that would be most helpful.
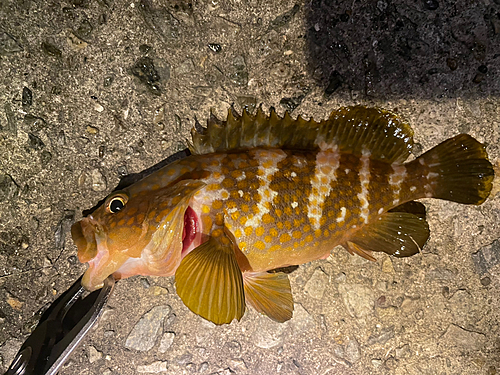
[{"x": 92, "y": 249}]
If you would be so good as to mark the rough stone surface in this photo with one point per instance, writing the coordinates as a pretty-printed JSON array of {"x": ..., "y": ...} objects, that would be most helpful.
[
  {"x": 316, "y": 285},
  {"x": 464, "y": 339},
  {"x": 91, "y": 91},
  {"x": 358, "y": 299},
  {"x": 145, "y": 333}
]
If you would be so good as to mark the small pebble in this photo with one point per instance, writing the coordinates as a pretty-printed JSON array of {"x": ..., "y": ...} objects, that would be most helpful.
[
  {"x": 485, "y": 281},
  {"x": 145, "y": 283},
  {"x": 431, "y": 4},
  {"x": 92, "y": 130},
  {"x": 215, "y": 47},
  {"x": 478, "y": 78},
  {"x": 483, "y": 69},
  {"x": 452, "y": 63}
]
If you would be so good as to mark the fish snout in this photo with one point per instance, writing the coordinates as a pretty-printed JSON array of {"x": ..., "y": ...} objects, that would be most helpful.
[{"x": 83, "y": 234}]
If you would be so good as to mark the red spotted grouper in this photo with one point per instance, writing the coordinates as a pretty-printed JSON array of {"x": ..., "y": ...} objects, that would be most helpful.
[{"x": 263, "y": 192}]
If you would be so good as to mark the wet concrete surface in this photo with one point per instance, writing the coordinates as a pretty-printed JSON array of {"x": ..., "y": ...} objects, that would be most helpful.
[{"x": 93, "y": 90}]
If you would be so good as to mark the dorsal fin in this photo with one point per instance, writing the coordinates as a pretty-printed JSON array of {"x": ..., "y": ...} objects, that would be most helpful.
[{"x": 352, "y": 129}]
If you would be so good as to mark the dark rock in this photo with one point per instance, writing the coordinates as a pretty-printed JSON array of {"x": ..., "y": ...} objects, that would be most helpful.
[
  {"x": 63, "y": 227},
  {"x": 431, "y": 4},
  {"x": 51, "y": 49},
  {"x": 144, "y": 49},
  {"x": 478, "y": 78},
  {"x": 145, "y": 70},
  {"x": 45, "y": 157},
  {"x": 483, "y": 69},
  {"x": 34, "y": 123},
  {"x": 334, "y": 82},
  {"x": 284, "y": 19},
  {"x": 8, "y": 44},
  {"x": 11, "y": 126},
  {"x": 108, "y": 81},
  {"x": 291, "y": 103},
  {"x": 487, "y": 257},
  {"x": 8, "y": 187},
  {"x": 452, "y": 63},
  {"x": 239, "y": 72},
  {"x": 215, "y": 47},
  {"x": 485, "y": 281},
  {"x": 381, "y": 337},
  {"x": 27, "y": 97},
  {"x": 84, "y": 30},
  {"x": 35, "y": 142}
]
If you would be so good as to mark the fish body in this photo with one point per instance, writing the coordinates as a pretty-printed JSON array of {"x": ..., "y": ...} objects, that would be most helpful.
[{"x": 261, "y": 193}]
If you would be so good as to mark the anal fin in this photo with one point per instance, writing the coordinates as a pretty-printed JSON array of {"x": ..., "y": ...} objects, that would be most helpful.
[
  {"x": 210, "y": 283},
  {"x": 269, "y": 294},
  {"x": 401, "y": 234}
]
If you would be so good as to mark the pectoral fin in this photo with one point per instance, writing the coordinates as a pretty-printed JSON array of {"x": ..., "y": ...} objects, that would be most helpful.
[
  {"x": 210, "y": 283},
  {"x": 400, "y": 234},
  {"x": 269, "y": 294}
]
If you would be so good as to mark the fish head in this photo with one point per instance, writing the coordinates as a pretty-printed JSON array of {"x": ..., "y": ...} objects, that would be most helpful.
[{"x": 136, "y": 233}]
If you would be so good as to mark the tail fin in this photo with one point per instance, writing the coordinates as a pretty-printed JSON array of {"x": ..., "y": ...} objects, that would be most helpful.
[{"x": 459, "y": 170}]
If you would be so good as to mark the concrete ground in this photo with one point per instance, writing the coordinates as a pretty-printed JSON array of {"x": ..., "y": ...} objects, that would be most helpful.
[{"x": 92, "y": 90}]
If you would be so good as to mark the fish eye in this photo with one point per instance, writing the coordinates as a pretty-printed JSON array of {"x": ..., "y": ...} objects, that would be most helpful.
[{"x": 116, "y": 203}]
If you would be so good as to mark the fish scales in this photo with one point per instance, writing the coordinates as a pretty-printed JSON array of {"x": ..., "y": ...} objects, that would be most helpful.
[{"x": 256, "y": 196}]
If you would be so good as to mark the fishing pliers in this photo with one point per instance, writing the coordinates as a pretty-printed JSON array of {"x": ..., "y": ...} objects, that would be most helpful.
[{"x": 61, "y": 328}]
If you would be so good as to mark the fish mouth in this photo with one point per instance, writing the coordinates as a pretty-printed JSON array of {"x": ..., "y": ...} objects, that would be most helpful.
[
  {"x": 191, "y": 233},
  {"x": 92, "y": 249}
]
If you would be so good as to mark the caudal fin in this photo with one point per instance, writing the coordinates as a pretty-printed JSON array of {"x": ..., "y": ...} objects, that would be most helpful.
[{"x": 459, "y": 170}]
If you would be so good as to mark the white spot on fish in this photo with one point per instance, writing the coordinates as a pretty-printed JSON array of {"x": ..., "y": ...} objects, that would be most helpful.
[
  {"x": 347, "y": 170},
  {"x": 364, "y": 178},
  {"x": 294, "y": 204},
  {"x": 396, "y": 180},
  {"x": 380, "y": 211},
  {"x": 413, "y": 188},
  {"x": 341, "y": 218},
  {"x": 293, "y": 174},
  {"x": 242, "y": 177},
  {"x": 240, "y": 192},
  {"x": 327, "y": 163},
  {"x": 267, "y": 194}
]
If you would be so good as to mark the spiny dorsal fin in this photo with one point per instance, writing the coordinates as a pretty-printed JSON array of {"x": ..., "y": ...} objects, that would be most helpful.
[
  {"x": 210, "y": 283},
  {"x": 352, "y": 129},
  {"x": 401, "y": 234},
  {"x": 269, "y": 294}
]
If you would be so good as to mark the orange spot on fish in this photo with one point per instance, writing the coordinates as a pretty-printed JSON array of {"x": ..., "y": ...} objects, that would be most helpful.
[
  {"x": 317, "y": 232},
  {"x": 217, "y": 232},
  {"x": 309, "y": 238},
  {"x": 121, "y": 222},
  {"x": 267, "y": 219},
  {"x": 242, "y": 245},
  {"x": 274, "y": 248},
  {"x": 245, "y": 208},
  {"x": 176, "y": 200},
  {"x": 235, "y": 215},
  {"x": 307, "y": 228},
  {"x": 237, "y": 233},
  {"x": 140, "y": 218},
  {"x": 249, "y": 230},
  {"x": 285, "y": 237},
  {"x": 297, "y": 235},
  {"x": 259, "y": 231},
  {"x": 205, "y": 209},
  {"x": 130, "y": 221},
  {"x": 260, "y": 245},
  {"x": 217, "y": 205},
  {"x": 112, "y": 224}
]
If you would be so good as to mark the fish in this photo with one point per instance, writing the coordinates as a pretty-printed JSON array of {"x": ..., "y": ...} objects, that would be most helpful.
[{"x": 260, "y": 193}]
